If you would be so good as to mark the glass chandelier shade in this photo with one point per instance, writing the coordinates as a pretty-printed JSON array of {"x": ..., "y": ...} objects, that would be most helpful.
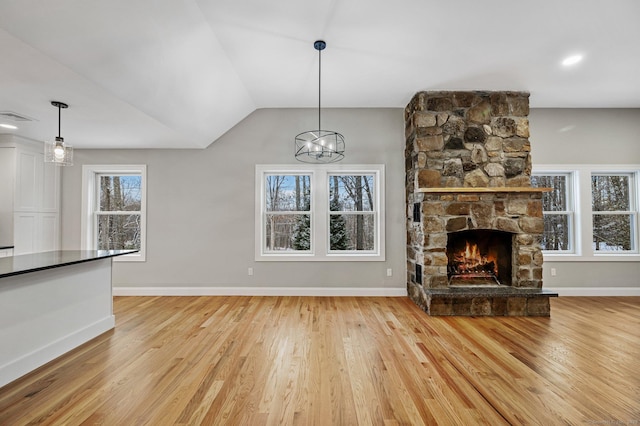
[
  {"x": 57, "y": 151},
  {"x": 319, "y": 146}
]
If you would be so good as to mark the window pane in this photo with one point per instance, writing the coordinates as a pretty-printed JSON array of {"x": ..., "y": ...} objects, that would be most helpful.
[
  {"x": 118, "y": 232},
  {"x": 612, "y": 232},
  {"x": 610, "y": 193},
  {"x": 351, "y": 193},
  {"x": 288, "y": 193},
  {"x": 352, "y": 232},
  {"x": 288, "y": 232},
  {"x": 120, "y": 193},
  {"x": 556, "y": 200},
  {"x": 556, "y": 232}
]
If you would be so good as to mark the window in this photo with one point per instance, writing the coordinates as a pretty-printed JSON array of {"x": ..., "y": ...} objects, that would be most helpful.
[
  {"x": 114, "y": 209},
  {"x": 591, "y": 214},
  {"x": 558, "y": 211},
  {"x": 352, "y": 223},
  {"x": 327, "y": 213},
  {"x": 287, "y": 213},
  {"x": 614, "y": 212}
]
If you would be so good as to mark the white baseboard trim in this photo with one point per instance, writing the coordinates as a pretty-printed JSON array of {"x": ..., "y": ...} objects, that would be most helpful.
[
  {"x": 337, "y": 291},
  {"x": 19, "y": 367},
  {"x": 595, "y": 291},
  {"x": 259, "y": 291}
]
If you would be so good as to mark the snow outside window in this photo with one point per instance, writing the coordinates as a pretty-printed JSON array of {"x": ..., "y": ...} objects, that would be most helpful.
[
  {"x": 614, "y": 212},
  {"x": 558, "y": 211},
  {"x": 114, "y": 209},
  {"x": 591, "y": 214},
  {"x": 324, "y": 213},
  {"x": 287, "y": 213}
]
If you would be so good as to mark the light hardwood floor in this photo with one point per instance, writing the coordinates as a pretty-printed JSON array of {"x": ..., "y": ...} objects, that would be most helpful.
[{"x": 340, "y": 361}]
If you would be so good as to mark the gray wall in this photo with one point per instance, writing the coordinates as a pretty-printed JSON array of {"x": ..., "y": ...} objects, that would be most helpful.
[
  {"x": 200, "y": 203},
  {"x": 200, "y": 229},
  {"x": 587, "y": 136}
]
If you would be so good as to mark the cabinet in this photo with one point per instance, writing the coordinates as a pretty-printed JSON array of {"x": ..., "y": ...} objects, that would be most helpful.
[{"x": 29, "y": 197}]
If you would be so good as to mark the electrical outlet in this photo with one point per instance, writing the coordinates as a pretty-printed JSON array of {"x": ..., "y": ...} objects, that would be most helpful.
[
  {"x": 250, "y": 271},
  {"x": 553, "y": 272},
  {"x": 389, "y": 272}
]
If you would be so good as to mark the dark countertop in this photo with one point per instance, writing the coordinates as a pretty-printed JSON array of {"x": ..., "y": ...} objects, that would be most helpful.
[
  {"x": 25, "y": 263},
  {"x": 5, "y": 247}
]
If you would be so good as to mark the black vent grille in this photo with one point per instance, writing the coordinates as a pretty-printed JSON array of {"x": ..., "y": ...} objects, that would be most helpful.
[{"x": 416, "y": 212}]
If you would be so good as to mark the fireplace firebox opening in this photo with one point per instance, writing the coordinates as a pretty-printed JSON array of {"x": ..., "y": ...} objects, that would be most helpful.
[{"x": 479, "y": 257}]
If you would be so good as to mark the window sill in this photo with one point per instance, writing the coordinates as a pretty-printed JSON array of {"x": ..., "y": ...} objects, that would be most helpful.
[
  {"x": 374, "y": 257},
  {"x": 131, "y": 258},
  {"x": 551, "y": 257}
]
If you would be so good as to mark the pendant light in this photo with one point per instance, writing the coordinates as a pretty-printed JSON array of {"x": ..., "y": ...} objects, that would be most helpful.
[
  {"x": 58, "y": 152},
  {"x": 319, "y": 146}
]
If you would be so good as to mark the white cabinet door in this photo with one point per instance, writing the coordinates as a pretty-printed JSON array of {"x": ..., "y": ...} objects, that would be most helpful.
[
  {"x": 29, "y": 198},
  {"x": 36, "y": 232},
  {"x": 49, "y": 231},
  {"x": 28, "y": 192},
  {"x": 25, "y": 232},
  {"x": 50, "y": 187}
]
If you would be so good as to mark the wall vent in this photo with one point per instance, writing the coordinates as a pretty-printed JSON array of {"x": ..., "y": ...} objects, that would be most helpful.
[
  {"x": 14, "y": 116},
  {"x": 416, "y": 212}
]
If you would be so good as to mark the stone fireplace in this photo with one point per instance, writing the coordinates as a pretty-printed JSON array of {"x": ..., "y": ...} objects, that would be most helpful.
[{"x": 474, "y": 221}]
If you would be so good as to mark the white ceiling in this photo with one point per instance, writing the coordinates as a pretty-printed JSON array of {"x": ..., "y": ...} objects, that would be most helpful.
[{"x": 179, "y": 74}]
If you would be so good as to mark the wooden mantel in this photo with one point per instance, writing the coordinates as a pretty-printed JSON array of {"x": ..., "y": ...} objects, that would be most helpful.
[{"x": 522, "y": 189}]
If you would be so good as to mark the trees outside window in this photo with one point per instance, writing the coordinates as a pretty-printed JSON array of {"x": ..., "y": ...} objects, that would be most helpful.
[
  {"x": 327, "y": 213},
  {"x": 558, "y": 211},
  {"x": 114, "y": 209},
  {"x": 352, "y": 215},
  {"x": 613, "y": 212},
  {"x": 591, "y": 213},
  {"x": 287, "y": 212},
  {"x": 118, "y": 213}
]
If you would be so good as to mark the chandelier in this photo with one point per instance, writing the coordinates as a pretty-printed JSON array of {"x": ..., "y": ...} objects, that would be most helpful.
[{"x": 319, "y": 146}]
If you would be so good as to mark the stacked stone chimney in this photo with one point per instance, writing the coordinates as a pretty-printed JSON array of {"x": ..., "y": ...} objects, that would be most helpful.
[{"x": 468, "y": 167}]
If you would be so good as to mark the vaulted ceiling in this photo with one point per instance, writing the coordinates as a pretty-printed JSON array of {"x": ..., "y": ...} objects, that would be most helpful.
[{"x": 179, "y": 74}]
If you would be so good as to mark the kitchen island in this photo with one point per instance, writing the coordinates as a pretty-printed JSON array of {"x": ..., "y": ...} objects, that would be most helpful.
[{"x": 50, "y": 303}]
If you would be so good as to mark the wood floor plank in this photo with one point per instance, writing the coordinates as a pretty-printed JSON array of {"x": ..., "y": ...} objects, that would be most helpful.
[{"x": 339, "y": 361}]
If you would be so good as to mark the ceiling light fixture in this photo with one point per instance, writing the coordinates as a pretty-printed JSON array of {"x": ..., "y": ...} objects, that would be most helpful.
[
  {"x": 58, "y": 152},
  {"x": 571, "y": 60},
  {"x": 319, "y": 146},
  {"x": 9, "y": 126}
]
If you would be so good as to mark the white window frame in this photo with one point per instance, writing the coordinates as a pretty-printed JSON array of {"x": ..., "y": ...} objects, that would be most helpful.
[
  {"x": 633, "y": 209},
  {"x": 264, "y": 213},
  {"x": 320, "y": 212},
  {"x": 583, "y": 211},
  {"x": 570, "y": 212},
  {"x": 374, "y": 212},
  {"x": 90, "y": 177}
]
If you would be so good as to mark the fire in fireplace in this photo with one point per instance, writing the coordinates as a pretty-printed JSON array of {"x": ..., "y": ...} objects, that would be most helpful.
[{"x": 479, "y": 258}]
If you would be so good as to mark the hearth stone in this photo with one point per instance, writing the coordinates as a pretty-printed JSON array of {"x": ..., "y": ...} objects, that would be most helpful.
[{"x": 483, "y": 301}]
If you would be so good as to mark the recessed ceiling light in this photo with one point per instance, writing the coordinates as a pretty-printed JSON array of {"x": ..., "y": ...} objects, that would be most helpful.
[
  {"x": 571, "y": 60},
  {"x": 9, "y": 126}
]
